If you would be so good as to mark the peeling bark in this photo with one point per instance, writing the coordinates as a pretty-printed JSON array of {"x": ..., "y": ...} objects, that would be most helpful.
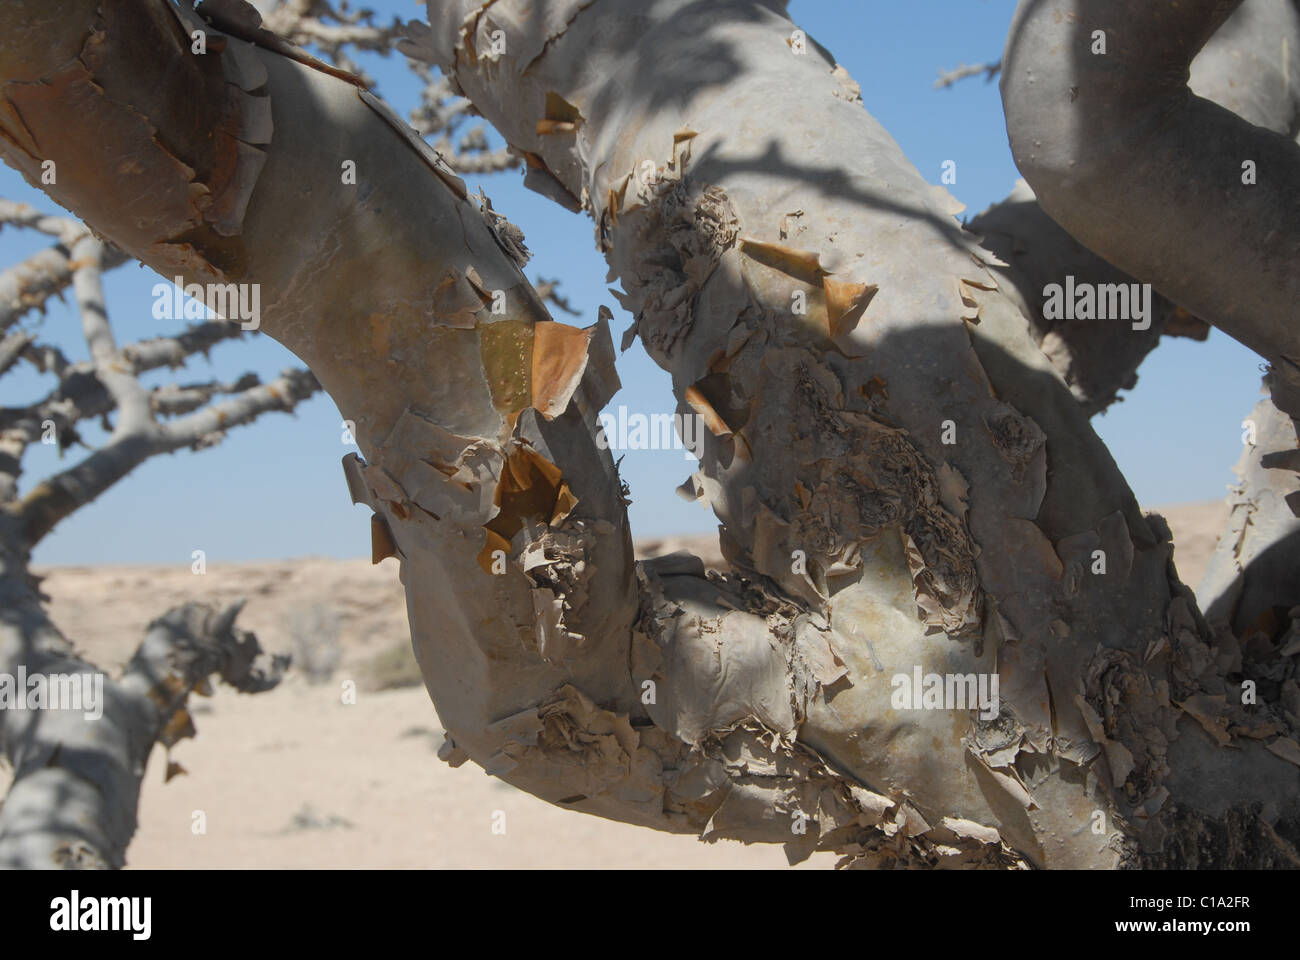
[
  {"x": 1253, "y": 578},
  {"x": 755, "y": 706},
  {"x": 386, "y": 289},
  {"x": 1097, "y": 358},
  {"x": 826, "y": 434},
  {"x": 1250, "y": 66}
]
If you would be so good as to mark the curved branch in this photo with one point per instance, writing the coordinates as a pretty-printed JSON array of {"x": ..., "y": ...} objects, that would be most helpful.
[
  {"x": 1250, "y": 66},
  {"x": 478, "y": 427},
  {"x": 1166, "y": 185}
]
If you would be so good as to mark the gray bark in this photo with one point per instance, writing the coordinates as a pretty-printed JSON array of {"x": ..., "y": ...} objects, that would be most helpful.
[
  {"x": 1250, "y": 66},
  {"x": 1097, "y": 358},
  {"x": 1165, "y": 184},
  {"x": 1253, "y": 571},
  {"x": 831, "y": 427},
  {"x": 731, "y": 179},
  {"x": 76, "y": 774}
]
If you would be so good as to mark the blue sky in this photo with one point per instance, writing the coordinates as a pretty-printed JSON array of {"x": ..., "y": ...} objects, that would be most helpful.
[{"x": 276, "y": 489}]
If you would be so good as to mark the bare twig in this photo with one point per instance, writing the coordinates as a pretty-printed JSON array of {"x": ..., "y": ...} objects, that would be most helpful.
[
  {"x": 174, "y": 399},
  {"x": 548, "y": 290},
  {"x": 64, "y": 229},
  {"x": 12, "y": 347},
  {"x": 173, "y": 351},
  {"x": 28, "y": 284},
  {"x": 57, "y": 497},
  {"x": 949, "y": 77}
]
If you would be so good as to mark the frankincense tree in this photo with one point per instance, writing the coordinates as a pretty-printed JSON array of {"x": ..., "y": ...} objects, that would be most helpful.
[{"x": 949, "y": 636}]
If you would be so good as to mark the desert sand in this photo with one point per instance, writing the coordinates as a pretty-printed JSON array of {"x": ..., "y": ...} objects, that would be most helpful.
[{"x": 296, "y": 778}]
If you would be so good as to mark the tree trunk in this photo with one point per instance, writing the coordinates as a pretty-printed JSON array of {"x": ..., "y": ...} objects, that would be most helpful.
[{"x": 77, "y": 772}]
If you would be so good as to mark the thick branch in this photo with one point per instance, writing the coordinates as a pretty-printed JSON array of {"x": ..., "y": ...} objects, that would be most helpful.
[
  {"x": 1164, "y": 184},
  {"x": 1250, "y": 66},
  {"x": 385, "y": 287},
  {"x": 1253, "y": 572},
  {"x": 825, "y": 459},
  {"x": 1097, "y": 358}
]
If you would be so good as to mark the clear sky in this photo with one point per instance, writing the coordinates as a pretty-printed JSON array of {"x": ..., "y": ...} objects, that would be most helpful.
[{"x": 275, "y": 489}]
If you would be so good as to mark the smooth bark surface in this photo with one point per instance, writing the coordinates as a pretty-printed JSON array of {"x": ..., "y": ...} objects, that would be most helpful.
[{"x": 1162, "y": 183}]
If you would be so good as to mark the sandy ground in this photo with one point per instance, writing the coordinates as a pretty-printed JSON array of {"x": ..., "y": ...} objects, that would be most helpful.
[{"x": 297, "y": 778}]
